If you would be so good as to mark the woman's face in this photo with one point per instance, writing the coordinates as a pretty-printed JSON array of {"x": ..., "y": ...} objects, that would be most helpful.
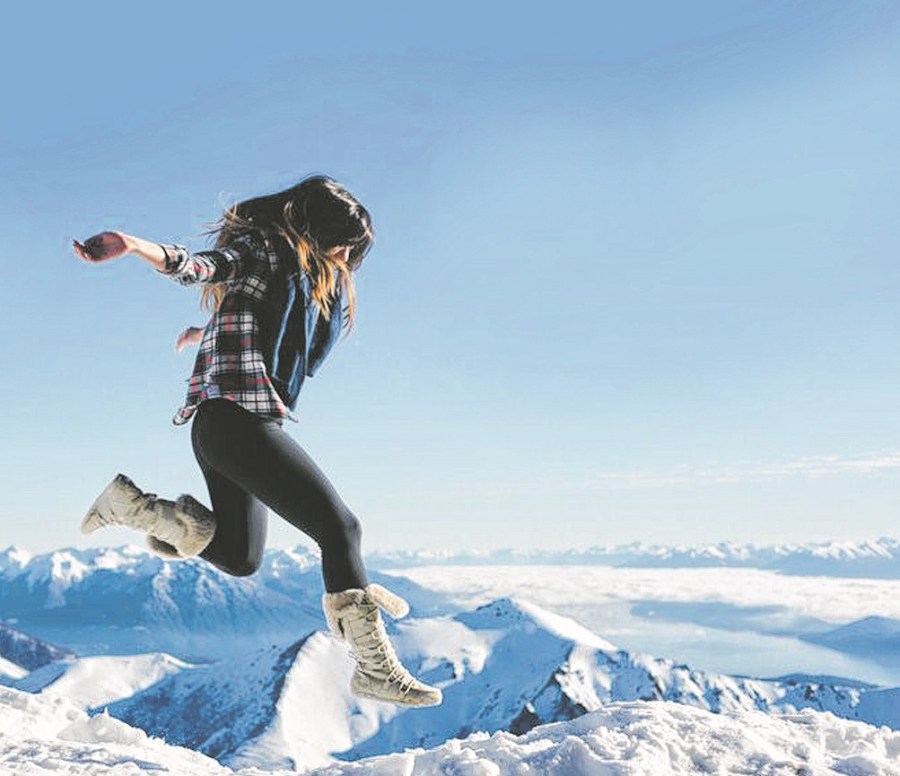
[{"x": 340, "y": 253}]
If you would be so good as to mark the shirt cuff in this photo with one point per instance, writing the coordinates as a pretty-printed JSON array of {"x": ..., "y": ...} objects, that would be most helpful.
[{"x": 174, "y": 258}]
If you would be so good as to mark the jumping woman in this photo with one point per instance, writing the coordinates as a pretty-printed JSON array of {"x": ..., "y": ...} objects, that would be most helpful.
[{"x": 279, "y": 283}]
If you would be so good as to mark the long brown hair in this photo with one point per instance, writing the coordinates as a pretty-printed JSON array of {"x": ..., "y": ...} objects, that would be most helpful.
[{"x": 314, "y": 216}]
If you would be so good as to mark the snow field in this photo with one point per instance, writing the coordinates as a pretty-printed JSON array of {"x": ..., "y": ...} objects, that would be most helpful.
[
  {"x": 43, "y": 735},
  {"x": 46, "y": 734},
  {"x": 656, "y": 739}
]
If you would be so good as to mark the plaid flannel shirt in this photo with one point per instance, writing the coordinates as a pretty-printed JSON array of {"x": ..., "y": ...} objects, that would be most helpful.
[{"x": 230, "y": 362}]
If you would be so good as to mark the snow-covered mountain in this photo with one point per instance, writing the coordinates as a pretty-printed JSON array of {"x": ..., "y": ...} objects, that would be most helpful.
[
  {"x": 44, "y": 734},
  {"x": 507, "y": 666},
  {"x": 126, "y": 600},
  {"x": 875, "y": 637},
  {"x": 877, "y": 558},
  {"x": 98, "y": 681},
  {"x": 276, "y": 707}
]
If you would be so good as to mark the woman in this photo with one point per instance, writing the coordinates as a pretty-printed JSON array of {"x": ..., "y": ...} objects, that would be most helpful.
[{"x": 280, "y": 285}]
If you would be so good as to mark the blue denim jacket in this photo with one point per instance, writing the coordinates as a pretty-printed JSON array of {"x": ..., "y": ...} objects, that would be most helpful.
[{"x": 298, "y": 337}]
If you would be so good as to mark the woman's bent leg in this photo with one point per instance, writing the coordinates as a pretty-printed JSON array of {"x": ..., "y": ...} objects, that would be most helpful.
[{"x": 261, "y": 459}]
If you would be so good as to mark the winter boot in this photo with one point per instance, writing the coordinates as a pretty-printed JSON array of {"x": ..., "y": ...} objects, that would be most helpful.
[
  {"x": 354, "y": 617},
  {"x": 179, "y": 529},
  {"x": 190, "y": 507}
]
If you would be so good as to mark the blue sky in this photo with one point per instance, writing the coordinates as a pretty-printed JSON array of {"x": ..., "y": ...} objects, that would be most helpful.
[{"x": 635, "y": 276}]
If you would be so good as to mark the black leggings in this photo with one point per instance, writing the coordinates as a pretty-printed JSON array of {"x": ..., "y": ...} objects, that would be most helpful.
[{"x": 251, "y": 463}]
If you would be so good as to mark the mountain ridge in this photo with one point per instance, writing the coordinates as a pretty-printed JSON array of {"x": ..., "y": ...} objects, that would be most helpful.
[{"x": 506, "y": 666}]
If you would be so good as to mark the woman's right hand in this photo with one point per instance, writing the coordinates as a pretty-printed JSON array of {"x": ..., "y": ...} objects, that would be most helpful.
[
  {"x": 103, "y": 247},
  {"x": 190, "y": 336}
]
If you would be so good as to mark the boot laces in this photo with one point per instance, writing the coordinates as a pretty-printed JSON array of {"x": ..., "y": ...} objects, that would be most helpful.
[{"x": 374, "y": 649}]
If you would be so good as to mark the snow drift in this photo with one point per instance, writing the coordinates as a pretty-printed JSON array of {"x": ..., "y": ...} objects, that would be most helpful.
[{"x": 49, "y": 735}]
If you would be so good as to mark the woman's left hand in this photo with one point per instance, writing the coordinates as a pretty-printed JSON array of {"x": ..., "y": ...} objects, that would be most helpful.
[
  {"x": 103, "y": 246},
  {"x": 190, "y": 336}
]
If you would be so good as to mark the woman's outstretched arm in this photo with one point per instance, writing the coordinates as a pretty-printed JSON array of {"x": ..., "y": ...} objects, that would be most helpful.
[
  {"x": 227, "y": 263},
  {"x": 111, "y": 245}
]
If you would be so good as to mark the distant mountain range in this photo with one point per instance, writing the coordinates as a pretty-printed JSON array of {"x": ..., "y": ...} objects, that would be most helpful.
[
  {"x": 127, "y": 601},
  {"x": 878, "y": 558},
  {"x": 121, "y": 601},
  {"x": 509, "y": 665},
  {"x": 875, "y": 558}
]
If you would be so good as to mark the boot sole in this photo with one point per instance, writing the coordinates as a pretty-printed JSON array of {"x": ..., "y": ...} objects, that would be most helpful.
[{"x": 407, "y": 700}]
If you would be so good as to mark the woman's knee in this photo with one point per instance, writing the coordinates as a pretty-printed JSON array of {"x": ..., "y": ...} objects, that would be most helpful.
[
  {"x": 244, "y": 568},
  {"x": 243, "y": 565},
  {"x": 351, "y": 528},
  {"x": 344, "y": 531}
]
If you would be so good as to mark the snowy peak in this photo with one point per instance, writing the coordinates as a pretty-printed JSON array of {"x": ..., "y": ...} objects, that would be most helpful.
[
  {"x": 884, "y": 548},
  {"x": 94, "y": 682},
  {"x": 212, "y": 708},
  {"x": 59, "y": 570},
  {"x": 506, "y": 613},
  {"x": 515, "y": 614},
  {"x": 284, "y": 705},
  {"x": 129, "y": 601},
  {"x": 537, "y": 667},
  {"x": 290, "y": 562},
  {"x": 12, "y": 560},
  {"x": 878, "y": 558},
  {"x": 278, "y": 706}
]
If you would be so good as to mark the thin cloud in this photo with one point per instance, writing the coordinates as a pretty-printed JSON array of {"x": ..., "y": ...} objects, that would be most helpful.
[{"x": 814, "y": 467}]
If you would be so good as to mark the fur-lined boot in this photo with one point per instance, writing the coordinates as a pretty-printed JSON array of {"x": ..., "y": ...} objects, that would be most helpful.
[
  {"x": 353, "y": 615},
  {"x": 179, "y": 529}
]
